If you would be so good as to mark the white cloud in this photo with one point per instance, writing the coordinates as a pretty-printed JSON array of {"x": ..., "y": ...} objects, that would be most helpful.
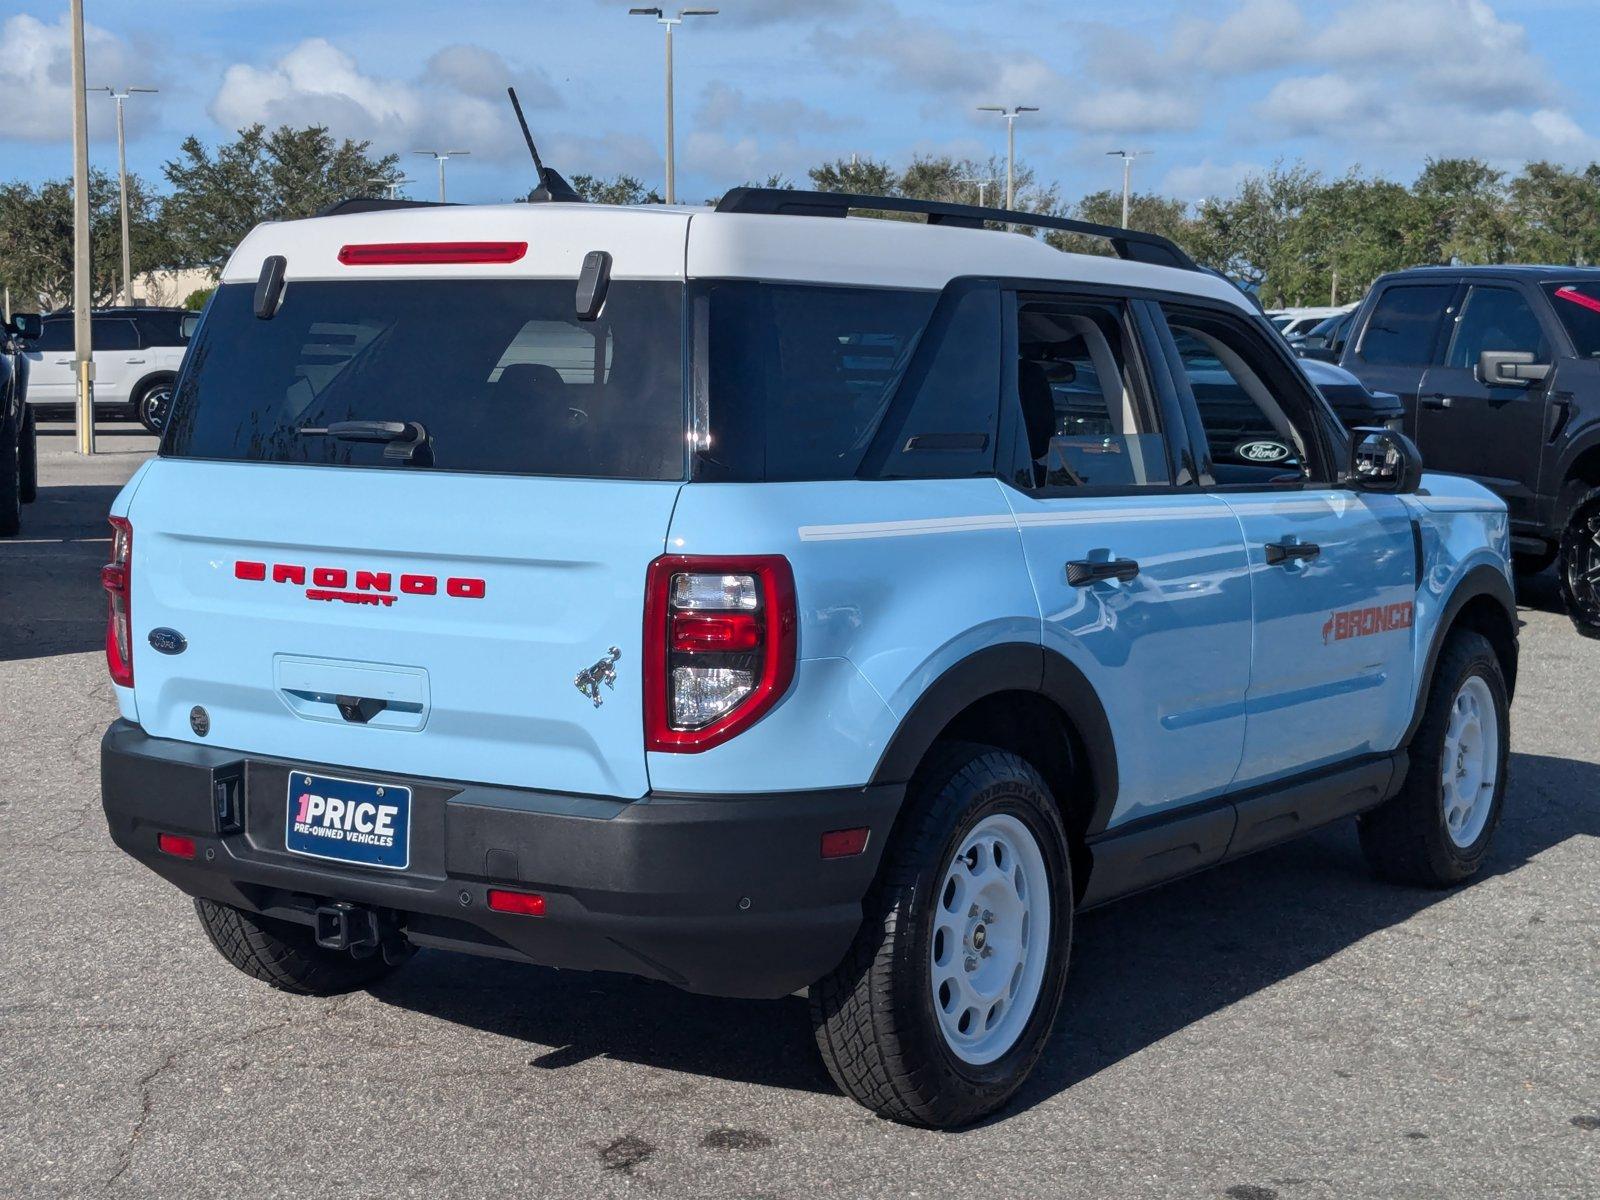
[
  {"x": 726, "y": 108},
  {"x": 36, "y": 80},
  {"x": 458, "y": 99},
  {"x": 1206, "y": 179}
]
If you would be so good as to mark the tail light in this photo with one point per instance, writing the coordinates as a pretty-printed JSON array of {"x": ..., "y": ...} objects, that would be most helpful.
[
  {"x": 719, "y": 645},
  {"x": 115, "y": 577}
]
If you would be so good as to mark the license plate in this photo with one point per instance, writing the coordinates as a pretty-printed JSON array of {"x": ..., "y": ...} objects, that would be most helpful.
[{"x": 349, "y": 821}]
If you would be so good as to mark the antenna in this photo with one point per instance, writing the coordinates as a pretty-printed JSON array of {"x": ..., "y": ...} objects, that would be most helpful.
[{"x": 551, "y": 186}]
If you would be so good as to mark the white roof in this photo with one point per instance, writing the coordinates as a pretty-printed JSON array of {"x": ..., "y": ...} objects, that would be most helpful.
[{"x": 660, "y": 242}]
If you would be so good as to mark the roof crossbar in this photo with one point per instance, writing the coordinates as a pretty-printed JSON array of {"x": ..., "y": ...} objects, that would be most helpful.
[{"x": 1131, "y": 244}]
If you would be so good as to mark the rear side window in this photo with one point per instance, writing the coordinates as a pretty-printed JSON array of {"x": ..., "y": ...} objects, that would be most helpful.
[
  {"x": 500, "y": 373},
  {"x": 114, "y": 333},
  {"x": 1401, "y": 330},
  {"x": 1578, "y": 307},
  {"x": 161, "y": 329},
  {"x": 1495, "y": 318},
  {"x": 792, "y": 380}
]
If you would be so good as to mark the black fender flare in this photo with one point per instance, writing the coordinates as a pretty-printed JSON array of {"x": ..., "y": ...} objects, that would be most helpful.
[
  {"x": 1481, "y": 580},
  {"x": 1010, "y": 667}
]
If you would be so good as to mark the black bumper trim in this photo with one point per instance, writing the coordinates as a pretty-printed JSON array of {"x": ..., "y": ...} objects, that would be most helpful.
[{"x": 723, "y": 895}]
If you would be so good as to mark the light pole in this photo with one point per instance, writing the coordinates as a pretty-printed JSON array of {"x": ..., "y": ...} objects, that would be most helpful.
[
  {"x": 983, "y": 183},
  {"x": 82, "y": 285},
  {"x": 441, "y": 157},
  {"x": 1011, "y": 115},
  {"x": 667, "y": 23},
  {"x": 1127, "y": 157},
  {"x": 122, "y": 181},
  {"x": 392, "y": 186}
]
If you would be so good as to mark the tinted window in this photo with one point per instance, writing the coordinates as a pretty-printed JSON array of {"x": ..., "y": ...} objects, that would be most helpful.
[
  {"x": 500, "y": 374},
  {"x": 57, "y": 335},
  {"x": 113, "y": 333},
  {"x": 792, "y": 381},
  {"x": 1494, "y": 318},
  {"x": 1086, "y": 417},
  {"x": 1578, "y": 306},
  {"x": 161, "y": 329},
  {"x": 1401, "y": 330}
]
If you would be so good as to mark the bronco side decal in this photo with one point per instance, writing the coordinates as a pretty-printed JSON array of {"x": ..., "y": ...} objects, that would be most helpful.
[{"x": 1364, "y": 622}]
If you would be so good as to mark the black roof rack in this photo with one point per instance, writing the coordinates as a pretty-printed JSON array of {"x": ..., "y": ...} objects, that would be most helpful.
[
  {"x": 361, "y": 204},
  {"x": 1131, "y": 244}
]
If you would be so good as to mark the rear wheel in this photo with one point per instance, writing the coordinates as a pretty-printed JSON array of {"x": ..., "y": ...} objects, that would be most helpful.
[
  {"x": 1436, "y": 831},
  {"x": 152, "y": 404},
  {"x": 28, "y": 457},
  {"x": 284, "y": 954},
  {"x": 948, "y": 996},
  {"x": 1579, "y": 572},
  {"x": 10, "y": 479}
]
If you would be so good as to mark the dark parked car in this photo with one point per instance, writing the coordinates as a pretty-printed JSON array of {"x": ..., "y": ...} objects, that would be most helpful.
[
  {"x": 19, "y": 450},
  {"x": 1324, "y": 342},
  {"x": 1499, "y": 372}
]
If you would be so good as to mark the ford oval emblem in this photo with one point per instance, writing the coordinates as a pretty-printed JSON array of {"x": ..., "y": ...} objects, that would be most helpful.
[
  {"x": 1262, "y": 452},
  {"x": 168, "y": 641}
]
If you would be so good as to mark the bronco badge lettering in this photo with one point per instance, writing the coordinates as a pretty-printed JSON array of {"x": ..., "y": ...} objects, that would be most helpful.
[
  {"x": 1364, "y": 622},
  {"x": 377, "y": 588}
]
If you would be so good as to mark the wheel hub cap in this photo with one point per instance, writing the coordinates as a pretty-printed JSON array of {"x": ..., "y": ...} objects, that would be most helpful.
[{"x": 1471, "y": 762}]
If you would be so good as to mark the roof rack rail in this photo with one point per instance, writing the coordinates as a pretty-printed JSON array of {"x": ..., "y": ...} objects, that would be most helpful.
[
  {"x": 361, "y": 204},
  {"x": 1131, "y": 244}
]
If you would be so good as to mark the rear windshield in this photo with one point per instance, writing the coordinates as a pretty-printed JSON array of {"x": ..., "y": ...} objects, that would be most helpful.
[
  {"x": 500, "y": 373},
  {"x": 1578, "y": 306}
]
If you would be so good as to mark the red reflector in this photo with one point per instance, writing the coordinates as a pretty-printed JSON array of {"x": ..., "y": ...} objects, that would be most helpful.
[
  {"x": 844, "y": 843},
  {"x": 175, "y": 844},
  {"x": 523, "y": 904},
  {"x": 380, "y": 254},
  {"x": 694, "y": 633}
]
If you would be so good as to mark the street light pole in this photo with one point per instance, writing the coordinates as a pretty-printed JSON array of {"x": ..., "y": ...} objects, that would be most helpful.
[
  {"x": 122, "y": 181},
  {"x": 82, "y": 284},
  {"x": 667, "y": 23},
  {"x": 441, "y": 157},
  {"x": 1127, "y": 157},
  {"x": 1011, "y": 115}
]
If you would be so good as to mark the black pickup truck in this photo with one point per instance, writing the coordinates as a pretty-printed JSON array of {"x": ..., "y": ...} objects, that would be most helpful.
[
  {"x": 1498, "y": 369},
  {"x": 19, "y": 449}
]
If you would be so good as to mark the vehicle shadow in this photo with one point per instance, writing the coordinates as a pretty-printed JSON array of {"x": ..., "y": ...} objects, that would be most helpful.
[
  {"x": 1541, "y": 592},
  {"x": 1142, "y": 969},
  {"x": 50, "y": 597}
]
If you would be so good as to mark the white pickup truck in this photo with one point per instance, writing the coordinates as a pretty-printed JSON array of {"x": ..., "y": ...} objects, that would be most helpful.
[{"x": 137, "y": 352}]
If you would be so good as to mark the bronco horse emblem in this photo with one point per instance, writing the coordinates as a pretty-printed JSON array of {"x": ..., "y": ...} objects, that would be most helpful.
[{"x": 604, "y": 671}]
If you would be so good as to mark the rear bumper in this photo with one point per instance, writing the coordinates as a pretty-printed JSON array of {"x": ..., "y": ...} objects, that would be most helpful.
[{"x": 726, "y": 896}]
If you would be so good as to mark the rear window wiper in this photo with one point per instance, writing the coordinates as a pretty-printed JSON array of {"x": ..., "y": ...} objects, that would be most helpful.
[{"x": 404, "y": 439}]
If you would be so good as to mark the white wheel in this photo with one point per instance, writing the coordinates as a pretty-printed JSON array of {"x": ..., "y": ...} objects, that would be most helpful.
[
  {"x": 991, "y": 939},
  {"x": 1470, "y": 763}
]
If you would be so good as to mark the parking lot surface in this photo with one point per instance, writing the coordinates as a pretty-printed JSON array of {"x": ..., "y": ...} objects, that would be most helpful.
[{"x": 1282, "y": 1027}]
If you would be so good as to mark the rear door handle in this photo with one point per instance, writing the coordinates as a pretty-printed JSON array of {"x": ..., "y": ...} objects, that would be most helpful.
[
  {"x": 1283, "y": 552},
  {"x": 1439, "y": 401},
  {"x": 1081, "y": 572},
  {"x": 134, "y": 360}
]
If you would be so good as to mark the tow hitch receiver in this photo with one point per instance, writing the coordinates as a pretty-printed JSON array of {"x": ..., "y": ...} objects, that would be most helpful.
[{"x": 341, "y": 925}]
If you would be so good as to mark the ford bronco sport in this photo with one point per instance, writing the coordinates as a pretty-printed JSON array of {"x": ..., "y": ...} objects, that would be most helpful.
[{"x": 771, "y": 598}]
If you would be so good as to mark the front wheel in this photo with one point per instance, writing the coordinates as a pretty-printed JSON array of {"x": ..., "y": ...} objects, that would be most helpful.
[
  {"x": 945, "y": 1001},
  {"x": 1436, "y": 830},
  {"x": 1579, "y": 572}
]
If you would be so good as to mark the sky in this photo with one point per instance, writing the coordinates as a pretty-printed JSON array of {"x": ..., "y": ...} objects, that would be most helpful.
[{"x": 1214, "y": 88}]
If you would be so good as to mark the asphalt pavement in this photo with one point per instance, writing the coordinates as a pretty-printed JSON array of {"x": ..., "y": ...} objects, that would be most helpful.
[{"x": 1285, "y": 1027}]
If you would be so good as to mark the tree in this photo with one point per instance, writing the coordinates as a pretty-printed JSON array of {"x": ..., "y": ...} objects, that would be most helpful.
[
  {"x": 1146, "y": 211},
  {"x": 1354, "y": 229},
  {"x": 36, "y": 238},
  {"x": 281, "y": 176},
  {"x": 863, "y": 176},
  {"x": 1555, "y": 214},
  {"x": 1244, "y": 236},
  {"x": 1462, "y": 212},
  {"x": 620, "y": 189}
]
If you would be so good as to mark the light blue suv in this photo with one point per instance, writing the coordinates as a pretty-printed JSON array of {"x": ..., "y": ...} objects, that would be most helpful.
[{"x": 770, "y": 598}]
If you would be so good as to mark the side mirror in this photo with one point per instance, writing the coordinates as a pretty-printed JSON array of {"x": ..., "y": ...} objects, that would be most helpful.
[
  {"x": 26, "y": 326},
  {"x": 1510, "y": 368},
  {"x": 1382, "y": 460}
]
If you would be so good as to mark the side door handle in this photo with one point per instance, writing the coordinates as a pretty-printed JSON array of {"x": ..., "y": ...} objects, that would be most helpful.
[
  {"x": 1284, "y": 552},
  {"x": 134, "y": 360},
  {"x": 1081, "y": 572},
  {"x": 1439, "y": 400}
]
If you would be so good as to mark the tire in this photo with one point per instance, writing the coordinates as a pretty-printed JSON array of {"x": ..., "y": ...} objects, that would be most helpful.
[
  {"x": 28, "y": 457},
  {"x": 10, "y": 479},
  {"x": 889, "y": 1033},
  {"x": 1579, "y": 571},
  {"x": 1436, "y": 831},
  {"x": 285, "y": 955},
  {"x": 152, "y": 405}
]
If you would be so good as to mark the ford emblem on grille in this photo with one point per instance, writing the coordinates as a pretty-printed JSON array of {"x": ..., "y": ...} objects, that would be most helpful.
[{"x": 168, "y": 641}]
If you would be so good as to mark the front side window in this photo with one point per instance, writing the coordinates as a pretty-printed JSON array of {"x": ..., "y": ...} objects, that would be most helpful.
[
  {"x": 56, "y": 336},
  {"x": 1401, "y": 330},
  {"x": 501, "y": 374},
  {"x": 1495, "y": 318},
  {"x": 1084, "y": 408},
  {"x": 1578, "y": 307}
]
